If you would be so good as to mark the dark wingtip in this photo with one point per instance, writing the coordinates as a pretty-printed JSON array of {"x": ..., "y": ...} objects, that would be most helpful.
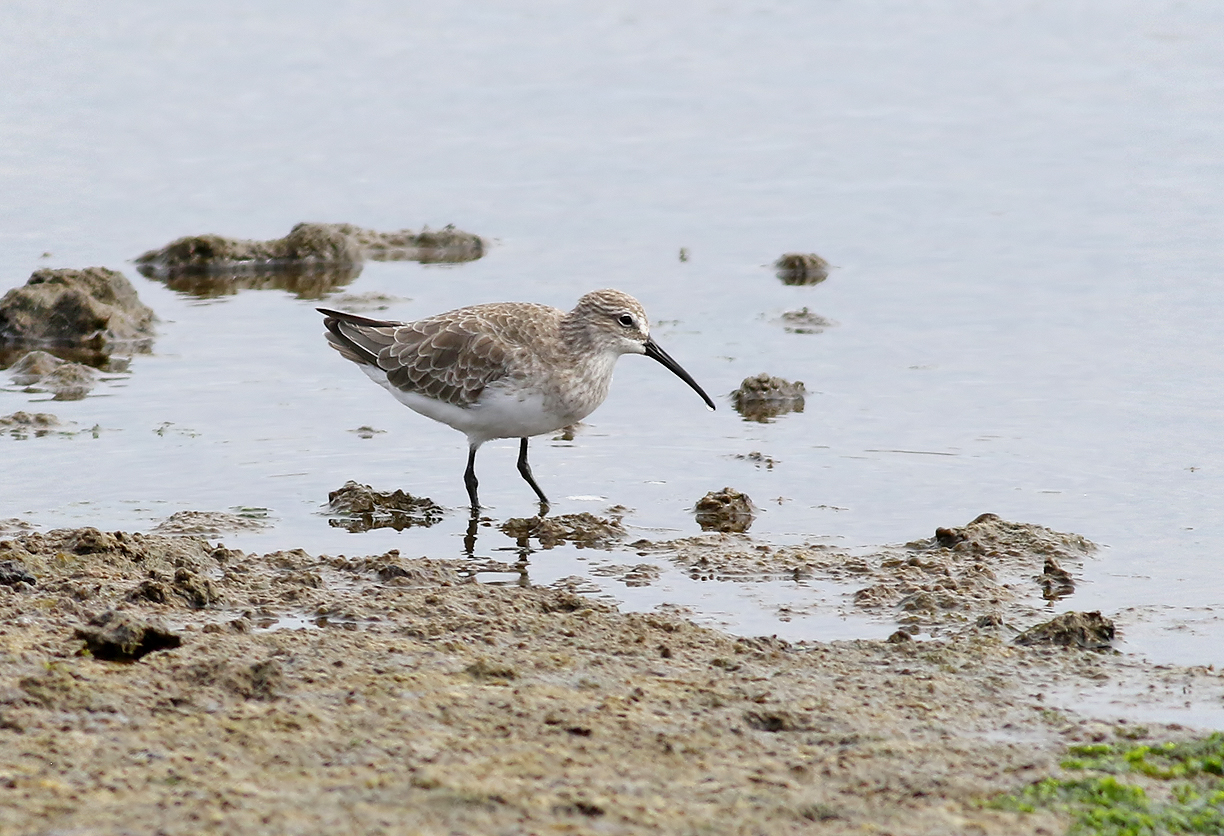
[{"x": 354, "y": 319}]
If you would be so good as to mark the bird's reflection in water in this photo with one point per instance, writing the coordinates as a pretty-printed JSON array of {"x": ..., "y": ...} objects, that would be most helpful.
[{"x": 521, "y": 548}]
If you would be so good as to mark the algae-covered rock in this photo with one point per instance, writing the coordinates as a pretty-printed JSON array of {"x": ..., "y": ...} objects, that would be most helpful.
[
  {"x": 802, "y": 268},
  {"x": 360, "y": 508},
  {"x": 306, "y": 242},
  {"x": 726, "y": 510},
  {"x": 95, "y": 311},
  {"x": 1089, "y": 630},
  {"x": 763, "y": 398}
]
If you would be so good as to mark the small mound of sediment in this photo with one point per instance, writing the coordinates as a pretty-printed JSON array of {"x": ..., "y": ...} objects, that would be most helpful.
[
  {"x": 1088, "y": 630},
  {"x": 804, "y": 321},
  {"x": 13, "y": 572},
  {"x": 360, "y": 508},
  {"x": 22, "y": 425},
  {"x": 206, "y": 523},
  {"x": 727, "y": 510},
  {"x": 121, "y": 637},
  {"x": 40, "y": 371},
  {"x": 584, "y": 530},
  {"x": 365, "y": 302},
  {"x": 187, "y": 588},
  {"x": 86, "y": 314},
  {"x": 802, "y": 268},
  {"x": 763, "y": 398}
]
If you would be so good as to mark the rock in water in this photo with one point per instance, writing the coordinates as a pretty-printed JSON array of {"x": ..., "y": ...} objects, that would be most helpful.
[{"x": 94, "y": 309}]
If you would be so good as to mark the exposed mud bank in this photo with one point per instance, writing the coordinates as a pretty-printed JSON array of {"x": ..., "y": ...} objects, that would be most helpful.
[
  {"x": 379, "y": 694},
  {"x": 989, "y": 574}
]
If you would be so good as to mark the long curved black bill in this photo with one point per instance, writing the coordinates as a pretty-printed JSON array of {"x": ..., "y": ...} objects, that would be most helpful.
[{"x": 655, "y": 353}]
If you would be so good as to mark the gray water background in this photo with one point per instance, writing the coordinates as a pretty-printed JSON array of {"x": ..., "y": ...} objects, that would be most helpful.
[{"x": 1024, "y": 203}]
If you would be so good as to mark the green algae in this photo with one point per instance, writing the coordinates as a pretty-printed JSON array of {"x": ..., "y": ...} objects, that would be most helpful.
[{"x": 1134, "y": 790}]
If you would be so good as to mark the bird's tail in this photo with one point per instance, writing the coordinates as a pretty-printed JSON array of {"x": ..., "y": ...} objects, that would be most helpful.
[{"x": 358, "y": 338}]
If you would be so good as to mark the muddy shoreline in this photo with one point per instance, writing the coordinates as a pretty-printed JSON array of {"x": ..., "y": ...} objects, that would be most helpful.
[{"x": 313, "y": 693}]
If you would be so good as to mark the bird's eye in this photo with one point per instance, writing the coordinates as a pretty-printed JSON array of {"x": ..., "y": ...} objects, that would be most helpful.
[{"x": 626, "y": 320}]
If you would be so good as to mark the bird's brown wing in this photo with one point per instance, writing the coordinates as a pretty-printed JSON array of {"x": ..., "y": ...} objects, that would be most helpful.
[{"x": 447, "y": 358}]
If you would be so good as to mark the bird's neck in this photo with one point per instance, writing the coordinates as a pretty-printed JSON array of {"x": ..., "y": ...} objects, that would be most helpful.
[{"x": 575, "y": 336}]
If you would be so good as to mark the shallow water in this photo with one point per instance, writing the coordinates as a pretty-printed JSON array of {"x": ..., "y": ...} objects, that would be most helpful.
[{"x": 1024, "y": 205}]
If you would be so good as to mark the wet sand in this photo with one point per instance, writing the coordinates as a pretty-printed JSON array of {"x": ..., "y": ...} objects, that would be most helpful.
[{"x": 378, "y": 694}]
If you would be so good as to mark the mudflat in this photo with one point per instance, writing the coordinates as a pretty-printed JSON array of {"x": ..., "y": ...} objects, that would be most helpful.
[{"x": 299, "y": 693}]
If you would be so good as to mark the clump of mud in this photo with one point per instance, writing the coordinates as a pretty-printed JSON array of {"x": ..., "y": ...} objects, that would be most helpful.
[
  {"x": 191, "y": 588},
  {"x": 118, "y": 636},
  {"x": 804, "y": 321},
  {"x": 310, "y": 262},
  {"x": 763, "y": 398},
  {"x": 584, "y": 530},
  {"x": 205, "y": 523},
  {"x": 1087, "y": 630},
  {"x": 757, "y": 458},
  {"x": 802, "y": 268},
  {"x": 727, "y": 510},
  {"x": 13, "y": 572},
  {"x": 85, "y": 315},
  {"x": 361, "y": 508},
  {"x": 22, "y": 425},
  {"x": 1055, "y": 581}
]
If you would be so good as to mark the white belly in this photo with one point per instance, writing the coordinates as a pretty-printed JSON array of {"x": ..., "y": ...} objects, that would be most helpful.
[{"x": 500, "y": 412}]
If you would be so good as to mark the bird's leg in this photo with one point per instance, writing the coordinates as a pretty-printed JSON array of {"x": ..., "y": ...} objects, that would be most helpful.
[
  {"x": 469, "y": 479},
  {"x": 525, "y": 470}
]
